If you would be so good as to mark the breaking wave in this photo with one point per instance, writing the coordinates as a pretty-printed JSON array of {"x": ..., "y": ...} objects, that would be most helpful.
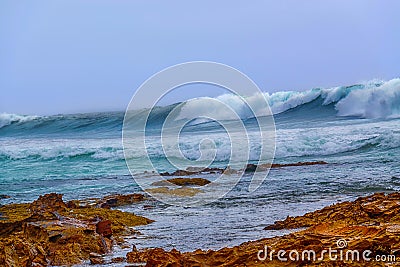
[
  {"x": 371, "y": 100},
  {"x": 374, "y": 99}
]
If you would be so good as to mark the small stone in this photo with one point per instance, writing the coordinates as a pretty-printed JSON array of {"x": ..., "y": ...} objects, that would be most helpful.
[
  {"x": 104, "y": 228},
  {"x": 117, "y": 259},
  {"x": 96, "y": 260}
]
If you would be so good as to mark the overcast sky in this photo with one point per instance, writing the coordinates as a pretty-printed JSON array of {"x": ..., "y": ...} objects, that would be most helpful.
[{"x": 91, "y": 55}]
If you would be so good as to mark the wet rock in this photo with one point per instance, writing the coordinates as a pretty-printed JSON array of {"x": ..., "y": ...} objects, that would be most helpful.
[
  {"x": 180, "y": 192},
  {"x": 48, "y": 204},
  {"x": 228, "y": 171},
  {"x": 251, "y": 168},
  {"x": 48, "y": 232},
  {"x": 192, "y": 171},
  {"x": 106, "y": 202},
  {"x": 104, "y": 228},
  {"x": 179, "y": 173},
  {"x": 183, "y": 182},
  {"x": 118, "y": 259},
  {"x": 373, "y": 209},
  {"x": 96, "y": 258},
  {"x": 348, "y": 221},
  {"x": 306, "y": 163},
  {"x": 263, "y": 167}
]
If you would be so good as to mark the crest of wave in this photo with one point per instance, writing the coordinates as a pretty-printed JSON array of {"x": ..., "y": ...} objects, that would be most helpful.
[
  {"x": 373, "y": 99},
  {"x": 373, "y": 102}
]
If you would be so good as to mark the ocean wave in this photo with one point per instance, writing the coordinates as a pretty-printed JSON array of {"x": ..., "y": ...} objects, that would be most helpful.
[
  {"x": 372, "y": 102},
  {"x": 316, "y": 145},
  {"x": 7, "y": 119},
  {"x": 373, "y": 99},
  {"x": 290, "y": 143},
  {"x": 17, "y": 125},
  {"x": 63, "y": 153},
  {"x": 56, "y": 148}
]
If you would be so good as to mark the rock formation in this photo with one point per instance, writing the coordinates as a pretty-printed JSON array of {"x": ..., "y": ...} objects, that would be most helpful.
[
  {"x": 182, "y": 182},
  {"x": 368, "y": 224},
  {"x": 50, "y": 232}
]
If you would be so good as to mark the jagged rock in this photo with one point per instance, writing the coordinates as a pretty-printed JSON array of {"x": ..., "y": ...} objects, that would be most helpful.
[
  {"x": 48, "y": 232},
  {"x": 266, "y": 166},
  {"x": 251, "y": 168},
  {"x": 106, "y": 202},
  {"x": 373, "y": 209},
  {"x": 118, "y": 259},
  {"x": 182, "y": 182},
  {"x": 305, "y": 163},
  {"x": 228, "y": 171},
  {"x": 179, "y": 173},
  {"x": 48, "y": 204},
  {"x": 96, "y": 261},
  {"x": 348, "y": 221}
]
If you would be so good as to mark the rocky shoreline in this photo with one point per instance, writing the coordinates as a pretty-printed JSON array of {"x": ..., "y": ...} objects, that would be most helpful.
[
  {"x": 369, "y": 224},
  {"x": 51, "y": 232}
]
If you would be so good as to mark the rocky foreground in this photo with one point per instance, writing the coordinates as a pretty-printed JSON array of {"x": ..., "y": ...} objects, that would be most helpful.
[
  {"x": 369, "y": 226},
  {"x": 51, "y": 232}
]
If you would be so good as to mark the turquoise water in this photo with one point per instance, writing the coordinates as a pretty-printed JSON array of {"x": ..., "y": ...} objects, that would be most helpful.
[{"x": 356, "y": 129}]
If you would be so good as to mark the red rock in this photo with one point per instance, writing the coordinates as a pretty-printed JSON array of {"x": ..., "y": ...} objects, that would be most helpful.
[{"x": 104, "y": 228}]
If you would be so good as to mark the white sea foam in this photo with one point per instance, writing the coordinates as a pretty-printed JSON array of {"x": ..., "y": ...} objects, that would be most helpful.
[
  {"x": 7, "y": 119},
  {"x": 373, "y": 99},
  {"x": 372, "y": 102}
]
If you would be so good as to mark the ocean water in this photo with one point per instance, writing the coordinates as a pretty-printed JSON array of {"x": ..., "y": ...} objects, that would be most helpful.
[{"x": 356, "y": 129}]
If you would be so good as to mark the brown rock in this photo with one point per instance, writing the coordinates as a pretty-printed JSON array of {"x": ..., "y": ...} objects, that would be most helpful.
[
  {"x": 118, "y": 259},
  {"x": 181, "y": 191},
  {"x": 182, "y": 182},
  {"x": 48, "y": 202},
  {"x": 349, "y": 221},
  {"x": 104, "y": 228},
  {"x": 228, "y": 171},
  {"x": 263, "y": 167},
  {"x": 96, "y": 260},
  {"x": 106, "y": 202},
  {"x": 49, "y": 233},
  {"x": 306, "y": 163}
]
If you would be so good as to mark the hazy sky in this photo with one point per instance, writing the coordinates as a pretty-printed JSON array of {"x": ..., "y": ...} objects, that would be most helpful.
[{"x": 90, "y": 55}]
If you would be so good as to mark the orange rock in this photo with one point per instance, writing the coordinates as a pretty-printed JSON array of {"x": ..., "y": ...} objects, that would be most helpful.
[
  {"x": 352, "y": 223},
  {"x": 48, "y": 203},
  {"x": 48, "y": 232}
]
